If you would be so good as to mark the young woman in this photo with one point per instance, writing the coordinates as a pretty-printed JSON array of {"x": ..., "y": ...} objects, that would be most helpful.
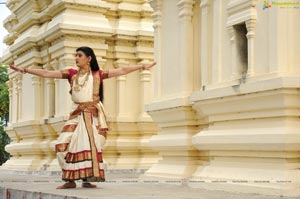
[{"x": 79, "y": 145}]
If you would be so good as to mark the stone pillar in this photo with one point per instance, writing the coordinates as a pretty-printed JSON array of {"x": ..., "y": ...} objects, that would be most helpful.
[
  {"x": 10, "y": 93},
  {"x": 250, "y": 24},
  {"x": 14, "y": 101},
  {"x": 62, "y": 88},
  {"x": 145, "y": 91},
  {"x": 36, "y": 86},
  {"x": 146, "y": 127},
  {"x": 49, "y": 104},
  {"x": 186, "y": 45},
  {"x": 206, "y": 32},
  {"x": 121, "y": 91},
  {"x": 157, "y": 18},
  {"x": 217, "y": 42},
  {"x": 19, "y": 96}
]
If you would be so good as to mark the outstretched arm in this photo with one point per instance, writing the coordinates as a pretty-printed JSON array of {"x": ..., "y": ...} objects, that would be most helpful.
[
  {"x": 39, "y": 72},
  {"x": 128, "y": 69}
]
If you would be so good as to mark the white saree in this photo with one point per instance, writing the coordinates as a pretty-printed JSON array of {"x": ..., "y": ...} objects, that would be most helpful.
[{"x": 79, "y": 145}]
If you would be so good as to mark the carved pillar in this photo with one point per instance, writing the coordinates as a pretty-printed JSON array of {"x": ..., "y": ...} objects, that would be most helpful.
[
  {"x": 217, "y": 41},
  {"x": 121, "y": 92},
  {"x": 62, "y": 88},
  {"x": 36, "y": 85},
  {"x": 19, "y": 96},
  {"x": 186, "y": 45},
  {"x": 10, "y": 93},
  {"x": 49, "y": 103},
  {"x": 49, "y": 88},
  {"x": 250, "y": 24},
  {"x": 56, "y": 101},
  {"x": 14, "y": 101},
  {"x": 157, "y": 20},
  {"x": 145, "y": 126},
  {"x": 205, "y": 42},
  {"x": 145, "y": 91},
  {"x": 47, "y": 147}
]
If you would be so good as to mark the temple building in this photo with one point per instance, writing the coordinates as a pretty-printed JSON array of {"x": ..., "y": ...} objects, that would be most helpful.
[{"x": 221, "y": 106}]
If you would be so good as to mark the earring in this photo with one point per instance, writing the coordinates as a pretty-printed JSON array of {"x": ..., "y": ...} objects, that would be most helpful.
[{"x": 89, "y": 63}]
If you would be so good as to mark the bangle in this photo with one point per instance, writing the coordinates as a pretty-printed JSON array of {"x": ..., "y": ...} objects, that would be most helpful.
[{"x": 25, "y": 70}]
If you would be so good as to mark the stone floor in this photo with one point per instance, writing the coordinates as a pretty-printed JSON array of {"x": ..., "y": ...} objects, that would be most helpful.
[{"x": 16, "y": 185}]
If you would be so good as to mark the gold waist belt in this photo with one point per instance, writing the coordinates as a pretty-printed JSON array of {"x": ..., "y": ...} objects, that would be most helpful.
[{"x": 94, "y": 107}]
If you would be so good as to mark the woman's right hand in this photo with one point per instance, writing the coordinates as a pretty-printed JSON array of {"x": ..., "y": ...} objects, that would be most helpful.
[{"x": 13, "y": 67}]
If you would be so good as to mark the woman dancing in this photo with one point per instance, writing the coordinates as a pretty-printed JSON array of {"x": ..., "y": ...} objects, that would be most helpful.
[{"x": 79, "y": 145}]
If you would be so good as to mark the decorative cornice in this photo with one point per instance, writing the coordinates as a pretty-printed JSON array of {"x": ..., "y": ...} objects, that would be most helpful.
[
  {"x": 235, "y": 6},
  {"x": 240, "y": 11}
]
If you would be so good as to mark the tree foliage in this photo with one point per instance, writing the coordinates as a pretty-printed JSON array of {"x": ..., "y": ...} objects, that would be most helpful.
[{"x": 4, "y": 113}]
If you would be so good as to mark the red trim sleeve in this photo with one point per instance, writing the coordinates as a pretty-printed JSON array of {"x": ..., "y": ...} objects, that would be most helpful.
[{"x": 71, "y": 73}]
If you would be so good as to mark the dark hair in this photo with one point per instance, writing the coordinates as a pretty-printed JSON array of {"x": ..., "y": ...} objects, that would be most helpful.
[{"x": 93, "y": 64}]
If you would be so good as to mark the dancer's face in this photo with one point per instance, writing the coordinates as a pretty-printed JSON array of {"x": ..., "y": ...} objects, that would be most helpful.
[{"x": 81, "y": 59}]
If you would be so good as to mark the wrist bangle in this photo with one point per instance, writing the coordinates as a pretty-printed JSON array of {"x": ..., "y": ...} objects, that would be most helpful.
[{"x": 25, "y": 70}]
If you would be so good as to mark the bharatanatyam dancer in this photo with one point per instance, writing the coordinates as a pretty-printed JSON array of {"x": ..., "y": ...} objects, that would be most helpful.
[{"x": 79, "y": 145}]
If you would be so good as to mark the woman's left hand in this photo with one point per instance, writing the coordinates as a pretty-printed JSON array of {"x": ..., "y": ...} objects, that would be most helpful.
[{"x": 148, "y": 66}]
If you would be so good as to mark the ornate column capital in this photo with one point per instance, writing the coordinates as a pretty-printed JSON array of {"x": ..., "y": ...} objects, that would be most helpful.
[
  {"x": 186, "y": 9},
  {"x": 120, "y": 63},
  {"x": 9, "y": 83},
  {"x": 205, "y": 3},
  {"x": 251, "y": 24},
  {"x": 157, "y": 12},
  {"x": 36, "y": 80},
  {"x": 18, "y": 79}
]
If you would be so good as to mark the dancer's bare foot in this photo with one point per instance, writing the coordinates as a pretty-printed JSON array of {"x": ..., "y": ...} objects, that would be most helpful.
[
  {"x": 88, "y": 185},
  {"x": 67, "y": 185}
]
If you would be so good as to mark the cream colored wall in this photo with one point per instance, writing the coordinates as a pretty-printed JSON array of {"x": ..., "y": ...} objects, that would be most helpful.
[
  {"x": 45, "y": 35},
  {"x": 216, "y": 123}
]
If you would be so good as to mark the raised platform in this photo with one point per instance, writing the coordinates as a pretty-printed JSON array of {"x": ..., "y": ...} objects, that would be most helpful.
[{"x": 127, "y": 184}]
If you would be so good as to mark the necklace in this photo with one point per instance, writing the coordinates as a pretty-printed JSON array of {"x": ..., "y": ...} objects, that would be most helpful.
[
  {"x": 83, "y": 71},
  {"x": 78, "y": 86}
]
